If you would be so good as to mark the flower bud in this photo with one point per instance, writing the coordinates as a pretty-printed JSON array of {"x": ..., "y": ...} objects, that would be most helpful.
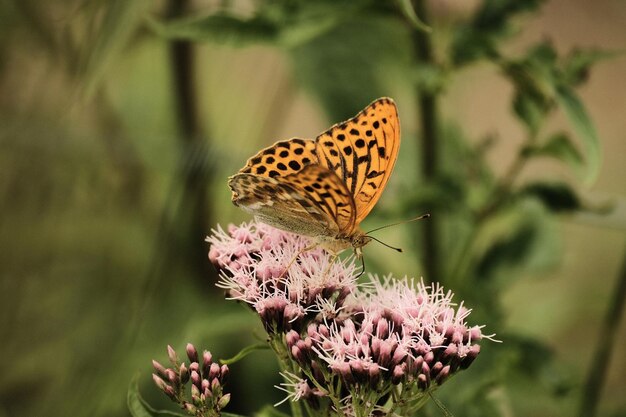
[
  {"x": 194, "y": 366},
  {"x": 323, "y": 330},
  {"x": 195, "y": 379},
  {"x": 223, "y": 402},
  {"x": 184, "y": 373},
  {"x": 422, "y": 382},
  {"x": 207, "y": 360},
  {"x": 192, "y": 353},
  {"x": 215, "y": 385},
  {"x": 292, "y": 337},
  {"x": 397, "y": 375},
  {"x": 451, "y": 351},
  {"x": 297, "y": 354},
  {"x": 436, "y": 368},
  {"x": 205, "y": 384},
  {"x": 159, "y": 368},
  {"x": 356, "y": 366},
  {"x": 375, "y": 346},
  {"x": 195, "y": 395},
  {"x": 382, "y": 328},
  {"x": 318, "y": 374},
  {"x": 385, "y": 352},
  {"x": 171, "y": 354},
  {"x": 443, "y": 375},
  {"x": 343, "y": 370},
  {"x": 475, "y": 334},
  {"x": 190, "y": 408},
  {"x": 171, "y": 376},
  {"x": 214, "y": 371},
  {"x": 469, "y": 358},
  {"x": 398, "y": 355},
  {"x": 224, "y": 371},
  {"x": 159, "y": 382},
  {"x": 214, "y": 255},
  {"x": 169, "y": 391},
  {"x": 374, "y": 374}
]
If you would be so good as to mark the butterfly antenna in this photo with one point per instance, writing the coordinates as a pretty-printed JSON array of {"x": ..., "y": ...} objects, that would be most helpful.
[
  {"x": 423, "y": 216},
  {"x": 384, "y": 244}
]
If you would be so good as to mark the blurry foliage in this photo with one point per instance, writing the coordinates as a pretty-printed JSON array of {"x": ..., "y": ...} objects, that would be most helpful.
[{"x": 94, "y": 255}]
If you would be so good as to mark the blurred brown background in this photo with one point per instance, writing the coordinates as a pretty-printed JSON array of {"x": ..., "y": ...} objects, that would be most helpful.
[{"x": 96, "y": 274}]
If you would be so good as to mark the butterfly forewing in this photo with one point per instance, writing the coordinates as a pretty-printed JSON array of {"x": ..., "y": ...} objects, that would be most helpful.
[
  {"x": 282, "y": 158},
  {"x": 362, "y": 151},
  {"x": 326, "y": 192}
]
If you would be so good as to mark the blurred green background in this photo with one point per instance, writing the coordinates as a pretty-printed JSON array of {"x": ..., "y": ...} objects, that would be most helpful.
[{"x": 121, "y": 120}]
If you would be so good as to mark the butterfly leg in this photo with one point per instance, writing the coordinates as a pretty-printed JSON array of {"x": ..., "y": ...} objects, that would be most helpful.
[
  {"x": 332, "y": 258},
  {"x": 295, "y": 258}
]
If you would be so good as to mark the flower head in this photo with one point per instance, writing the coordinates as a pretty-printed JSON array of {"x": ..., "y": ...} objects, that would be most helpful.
[
  {"x": 269, "y": 269},
  {"x": 355, "y": 344}
]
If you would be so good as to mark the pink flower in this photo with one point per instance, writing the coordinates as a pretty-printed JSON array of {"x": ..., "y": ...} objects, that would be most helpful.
[
  {"x": 267, "y": 268},
  {"x": 358, "y": 344}
]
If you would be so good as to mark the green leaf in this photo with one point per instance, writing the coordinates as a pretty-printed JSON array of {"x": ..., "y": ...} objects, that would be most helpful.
[
  {"x": 520, "y": 237},
  {"x": 560, "y": 146},
  {"x": 135, "y": 402},
  {"x": 222, "y": 27},
  {"x": 577, "y": 64},
  {"x": 490, "y": 25},
  {"x": 584, "y": 128},
  {"x": 530, "y": 111},
  {"x": 557, "y": 197},
  {"x": 270, "y": 411},
  {"x": 533, "y": 78},
  {"x": 337, "y": 67},
  {"x": 495, "y": 15},
  {"x": 245, "y": 352},
  {"x": 406, "y": 7},
  {"x": 508, "y": 251}
]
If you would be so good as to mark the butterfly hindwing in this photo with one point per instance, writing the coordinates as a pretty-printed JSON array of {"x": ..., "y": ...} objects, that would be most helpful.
[{"x": 312, "y": 201}]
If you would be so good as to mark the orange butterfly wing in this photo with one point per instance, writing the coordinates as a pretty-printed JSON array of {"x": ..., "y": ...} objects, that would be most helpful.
[
  {"x": 362, "y": 152},
  {"x": 353, "y": 159}
]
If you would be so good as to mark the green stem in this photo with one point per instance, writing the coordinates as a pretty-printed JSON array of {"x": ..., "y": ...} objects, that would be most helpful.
[
  {"x": 606, "y": 344},
  {"x": 194, "y": 211},
  {"x": 285, "y": 365},
  {"x": 429, "y": 121}
]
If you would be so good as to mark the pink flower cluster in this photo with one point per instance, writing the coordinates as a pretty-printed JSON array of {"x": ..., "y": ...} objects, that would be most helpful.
[
  {"x": 397, "y": 338},
  {"x": 265, "y": 268},
  {"x": 398, "y": 331}
]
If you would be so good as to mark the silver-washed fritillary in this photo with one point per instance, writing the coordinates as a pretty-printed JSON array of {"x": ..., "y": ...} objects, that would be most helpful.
[{"x": 324, "y": 188}]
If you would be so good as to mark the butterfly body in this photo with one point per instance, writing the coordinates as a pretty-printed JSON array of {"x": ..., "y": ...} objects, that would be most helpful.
[{"x": 323, "y": 188}]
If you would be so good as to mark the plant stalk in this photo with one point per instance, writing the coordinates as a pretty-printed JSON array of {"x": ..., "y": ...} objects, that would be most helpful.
[
  {"x": 429, "y": 121},
  {"x": 194, "y": 210},
  {"x": 606, "y": 344}
]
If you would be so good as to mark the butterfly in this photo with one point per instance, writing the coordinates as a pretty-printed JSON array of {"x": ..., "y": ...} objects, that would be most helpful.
[{"x": 324, "y": 188}]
